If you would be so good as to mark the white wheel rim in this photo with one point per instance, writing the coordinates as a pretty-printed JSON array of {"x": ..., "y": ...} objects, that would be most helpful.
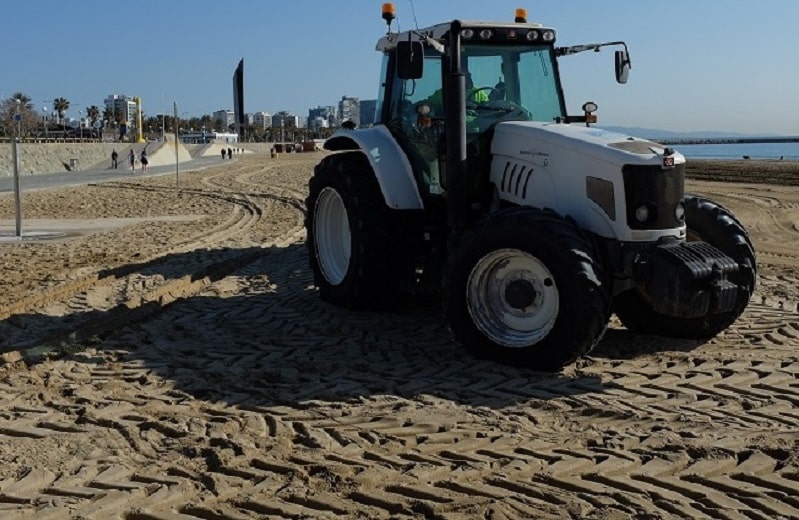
[
  {"x": 512, "y": 298},
  {"x": 332, "y": 236}
]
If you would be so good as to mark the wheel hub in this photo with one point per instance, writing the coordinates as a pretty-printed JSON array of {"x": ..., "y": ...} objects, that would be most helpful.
[
  {"x": 512, "y": 298},
  {"x": 520, "y": 294}
]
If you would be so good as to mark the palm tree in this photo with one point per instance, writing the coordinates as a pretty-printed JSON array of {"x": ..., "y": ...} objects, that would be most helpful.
[
  {"x": 23, "y": 99},
  {"x": 93, "y": 113},
  {"x": 108, "y": 118},
  {"x": 206, "y": 121},
  {"x": 153, "y": 122},
  {"x": 18, "y": 104},
  {"x": 61, "y": 105}
]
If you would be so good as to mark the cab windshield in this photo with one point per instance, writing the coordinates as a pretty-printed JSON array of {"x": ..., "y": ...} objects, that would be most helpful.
[
  {"x": 520, "y": 81},
  {"x": 503, "y": 82}
]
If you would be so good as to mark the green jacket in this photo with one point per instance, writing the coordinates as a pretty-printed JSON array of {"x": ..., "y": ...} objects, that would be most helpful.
[{"x": 436, "y": 99}]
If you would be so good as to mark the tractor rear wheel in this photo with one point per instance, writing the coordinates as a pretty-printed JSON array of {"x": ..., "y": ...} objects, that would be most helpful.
[
  {"x": 525, "y": 287},
  {"x": 714, "y": 224},
  {"x": 359, "y": 250}
]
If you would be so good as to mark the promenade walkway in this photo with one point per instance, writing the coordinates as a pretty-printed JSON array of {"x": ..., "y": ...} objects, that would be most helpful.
[{"x": 59, "y": 179}]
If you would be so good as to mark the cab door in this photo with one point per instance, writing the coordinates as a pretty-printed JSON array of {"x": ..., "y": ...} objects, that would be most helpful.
[{"x": 420, "y": 135}]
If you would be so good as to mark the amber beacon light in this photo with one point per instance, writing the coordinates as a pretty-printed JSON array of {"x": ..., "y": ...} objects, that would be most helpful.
[
  {"x": 521, "y": 15},
  {"x": 389, "y": 13}
]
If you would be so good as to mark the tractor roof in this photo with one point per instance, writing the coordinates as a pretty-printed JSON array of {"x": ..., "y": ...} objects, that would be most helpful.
[{"x": 440, "y": 31}]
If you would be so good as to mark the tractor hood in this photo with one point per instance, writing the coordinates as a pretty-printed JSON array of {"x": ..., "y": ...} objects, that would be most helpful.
[{"x": 539, "y": 141}]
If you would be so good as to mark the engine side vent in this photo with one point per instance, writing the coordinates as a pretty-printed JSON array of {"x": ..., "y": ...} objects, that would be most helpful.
[{"x": 515, "y": 179}]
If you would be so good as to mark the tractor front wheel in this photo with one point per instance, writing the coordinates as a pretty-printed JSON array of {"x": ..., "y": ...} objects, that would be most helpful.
[
  {"x": 712, "y": 223},
  {"x": 525, "y": 287}
]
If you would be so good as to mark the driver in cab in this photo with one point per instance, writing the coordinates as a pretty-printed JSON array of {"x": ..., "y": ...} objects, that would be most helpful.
[
  {"x": 435, "y": 102},
  {"x": 433, "y": 107}
]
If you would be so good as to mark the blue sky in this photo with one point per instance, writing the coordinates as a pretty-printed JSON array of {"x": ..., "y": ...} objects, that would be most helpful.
[{"x": 697, "y": 65}]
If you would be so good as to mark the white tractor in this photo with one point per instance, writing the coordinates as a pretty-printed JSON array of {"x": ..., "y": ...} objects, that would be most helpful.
[{"x": 534, "y": 226}]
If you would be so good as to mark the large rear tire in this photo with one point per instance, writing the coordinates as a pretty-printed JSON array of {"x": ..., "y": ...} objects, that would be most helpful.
[
  {"x": 712, "y": 223},
  {"x": 359, "y": 250},
  {"x": 525, "y": 287}
]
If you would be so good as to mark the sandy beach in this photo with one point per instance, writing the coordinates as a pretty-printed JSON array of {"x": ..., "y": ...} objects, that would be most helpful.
[{"x": 168, "y": 358}]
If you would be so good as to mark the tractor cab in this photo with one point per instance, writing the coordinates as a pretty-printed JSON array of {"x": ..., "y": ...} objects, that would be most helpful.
[
  {"x": 446, "y": 87},
  {"x": 493, "y": 73}
]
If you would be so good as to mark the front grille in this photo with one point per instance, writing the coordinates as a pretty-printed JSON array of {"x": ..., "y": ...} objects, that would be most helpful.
[{"x": 660, "y": 189}]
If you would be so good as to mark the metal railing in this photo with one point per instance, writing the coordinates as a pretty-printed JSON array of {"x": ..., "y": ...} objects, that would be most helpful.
[{"x": 54, "y": 140}]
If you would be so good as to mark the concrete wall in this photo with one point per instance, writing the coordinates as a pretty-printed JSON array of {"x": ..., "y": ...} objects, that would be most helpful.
[{"x": 36, "y": 158}]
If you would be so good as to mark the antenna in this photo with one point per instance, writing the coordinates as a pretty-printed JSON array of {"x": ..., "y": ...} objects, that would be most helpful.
[{"x": 413, "y": 12}]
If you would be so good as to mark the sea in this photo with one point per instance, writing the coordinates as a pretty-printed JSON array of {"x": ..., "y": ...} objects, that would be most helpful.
[{"x": 736, "y": 151}]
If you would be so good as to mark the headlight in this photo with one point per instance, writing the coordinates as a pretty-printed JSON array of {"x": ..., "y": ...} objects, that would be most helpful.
[
  {"x": 467, "y": 34},
  {"x": 486, "y": 34},
  {"x": 549, "y": 36},
  {"x": 679, "y": 211},
  {"x": 532, "y": 35},
  {"x": 642, "y": 213}
]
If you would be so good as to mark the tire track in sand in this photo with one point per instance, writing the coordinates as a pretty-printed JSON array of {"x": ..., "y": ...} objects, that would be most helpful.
[
  {"x": 326, "y": 412},
  {"x": 280, "y": 406},
  {"x": 125, "y": 294}
]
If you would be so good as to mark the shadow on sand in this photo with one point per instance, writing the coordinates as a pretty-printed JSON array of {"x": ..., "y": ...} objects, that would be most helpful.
[{"x": 262, "y": 336}]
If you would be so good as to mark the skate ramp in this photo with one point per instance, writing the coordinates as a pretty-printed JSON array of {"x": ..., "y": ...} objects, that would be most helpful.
[
  {"x": 215, "y": 149},
  {"x": 159, "y": 153},
  {"x": 164, "y": 153}
]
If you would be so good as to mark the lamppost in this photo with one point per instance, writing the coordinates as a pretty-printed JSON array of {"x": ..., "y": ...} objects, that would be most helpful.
[
  {"x": 18, "y": 117},
  {"x": 15, "y": 159},
  {"x": 80, "y": 123},
  {"x": 44, "y": 111}
]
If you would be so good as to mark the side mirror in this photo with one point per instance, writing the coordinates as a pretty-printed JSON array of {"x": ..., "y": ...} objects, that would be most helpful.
[
  {"x": 410, "y": 57},
  {"x": 622, "y": 66}
]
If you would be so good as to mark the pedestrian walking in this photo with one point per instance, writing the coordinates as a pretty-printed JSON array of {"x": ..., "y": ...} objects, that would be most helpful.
[
  {"x": 114, "y": 159},
  {"x": 132, "y": 160},
  {"x": 230, "y": 153},
  {"x": 144, "y": 161},
  {"x": 223, "y": 153}
]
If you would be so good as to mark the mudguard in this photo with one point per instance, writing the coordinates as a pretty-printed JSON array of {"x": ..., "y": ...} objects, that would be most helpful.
[{"x": 388, "y": 161}]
